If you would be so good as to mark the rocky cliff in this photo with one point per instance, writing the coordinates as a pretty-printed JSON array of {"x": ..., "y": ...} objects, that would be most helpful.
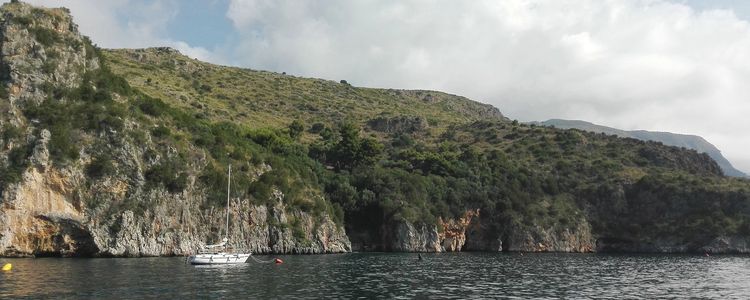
[
  {"x": 75, "y": 203},
  {"x": 467, "y": 233}
]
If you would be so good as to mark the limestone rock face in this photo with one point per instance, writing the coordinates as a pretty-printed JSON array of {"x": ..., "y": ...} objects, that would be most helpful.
[
  {"x": 728, "y": 244},
  {"x": 419, "y": 238},
  {"x": 27, "y": 47},
  {"x": 471, "y": 233},
  {"x": 540, "y": 239},
  {"x": 446, "y": 236},
  {"x": 41, "y": 215},
  {"x": 40, "y": 156},
  {"x": 251, "y": 227},
  {"x": 398, "y": 125},
  {"x": 467, "y": 233},
  {"x": 455, "y": 103},
  {"x": 453, "y": 234},
  {"x": 718, "y": 245}
]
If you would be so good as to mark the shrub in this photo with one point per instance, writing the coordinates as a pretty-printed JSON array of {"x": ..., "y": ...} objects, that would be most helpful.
[
  {"x": 62, "y": 145},
  {"x": 23, "y": 20},
  {"x": 297, "y": 231},
  {"x": 296, "y": 128},
  {"x": 49, "y": 66},
  {"x": 160, "y": 131},
  {"x": 215, "y": 180},
  {"x": 261, "y": 189},
  {"x": 11, "y": 132},
  {"x": 100, "y": 166},
  {"x": 151, "y": 106},
  {"x": 317, "y": 127},
  {"x": 91, "y": 50},
  {"x": 169, "y": 174},
  {"x": 46, "y": 37}
]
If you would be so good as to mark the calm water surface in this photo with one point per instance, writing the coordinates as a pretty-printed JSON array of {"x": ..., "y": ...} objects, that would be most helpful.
[{"x": 387, "y": 275}]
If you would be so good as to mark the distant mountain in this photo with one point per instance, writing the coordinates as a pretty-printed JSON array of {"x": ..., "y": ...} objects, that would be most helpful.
[{"x": 671, "y": 139}]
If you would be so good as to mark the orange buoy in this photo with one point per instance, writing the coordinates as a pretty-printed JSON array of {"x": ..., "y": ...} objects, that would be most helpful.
[{"x": 278, "y": 261}]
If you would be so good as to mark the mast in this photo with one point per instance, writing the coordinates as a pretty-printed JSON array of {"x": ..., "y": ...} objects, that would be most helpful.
[{"x": 229, "y": 183}]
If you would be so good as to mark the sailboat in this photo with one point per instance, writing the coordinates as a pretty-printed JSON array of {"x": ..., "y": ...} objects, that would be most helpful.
[{"x": 220, "y": 253}]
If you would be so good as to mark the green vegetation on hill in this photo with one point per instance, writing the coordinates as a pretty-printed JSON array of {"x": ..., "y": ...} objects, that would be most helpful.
[
  {"x": 370, "y": 158},
  {"x": 267, "y": 99},
  {"x": 670, "y": 139},
  {"x": 464, "y": 157}
]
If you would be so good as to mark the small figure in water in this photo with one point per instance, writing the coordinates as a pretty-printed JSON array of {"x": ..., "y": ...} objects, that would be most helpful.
[{"x": 419, "y": 256}]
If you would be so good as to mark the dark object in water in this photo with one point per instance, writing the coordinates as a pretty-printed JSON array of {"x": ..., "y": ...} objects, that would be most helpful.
[{"x": 419, "y": 256}]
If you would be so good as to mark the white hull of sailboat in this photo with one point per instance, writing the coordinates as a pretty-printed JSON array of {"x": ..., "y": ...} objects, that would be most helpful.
[{"x": 218, "y": 259}]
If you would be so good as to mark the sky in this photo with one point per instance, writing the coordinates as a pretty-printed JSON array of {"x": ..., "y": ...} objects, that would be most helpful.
[{"x": 680, "y": 66}]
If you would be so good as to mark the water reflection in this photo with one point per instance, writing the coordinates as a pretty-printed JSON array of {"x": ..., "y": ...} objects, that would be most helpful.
[{"x": 381, "y": 275}]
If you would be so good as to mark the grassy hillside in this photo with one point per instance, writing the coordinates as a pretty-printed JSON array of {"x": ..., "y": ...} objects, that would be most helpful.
[{"x": 266, "y": 99}]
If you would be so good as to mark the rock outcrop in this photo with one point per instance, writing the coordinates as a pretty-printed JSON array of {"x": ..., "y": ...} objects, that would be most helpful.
[
  {"x": 33, "y": 52},
  {"x": 455, "y": 103},
  {"x": 727, "y": 244},
  {"x": 415, "y": 238},
  {"x": 398, "y": 125},
  {"x": 453, "y": 233},
  {"x": 718, "y": 245},
  {"x": 467, "y": 233},
  {"x": 44, "y": 215},
  {"x": 538, "y": 239},
  {"x": 448, "y": 235},
  {"x": 259, "y": 228}
]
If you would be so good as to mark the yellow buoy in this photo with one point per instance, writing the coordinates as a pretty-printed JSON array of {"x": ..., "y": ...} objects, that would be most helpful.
[{"x": 7, "y": 267}]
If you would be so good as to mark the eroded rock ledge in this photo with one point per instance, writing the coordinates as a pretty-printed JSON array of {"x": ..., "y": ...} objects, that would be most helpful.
[{"x": 468, "y": 233}]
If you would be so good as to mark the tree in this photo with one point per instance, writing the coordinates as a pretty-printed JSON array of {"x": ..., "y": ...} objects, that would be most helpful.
[
  {"x": 345, "y": 152},
  {"x": 351, "y": 150},
  {"x": 370, "y": 150}
]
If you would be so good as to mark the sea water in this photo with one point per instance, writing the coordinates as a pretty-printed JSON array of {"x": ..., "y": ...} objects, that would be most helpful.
[{"x": 387, "y": 276}]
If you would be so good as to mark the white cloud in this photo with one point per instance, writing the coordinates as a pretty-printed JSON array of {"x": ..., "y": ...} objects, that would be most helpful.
[{"x": 646, "y": 64}]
